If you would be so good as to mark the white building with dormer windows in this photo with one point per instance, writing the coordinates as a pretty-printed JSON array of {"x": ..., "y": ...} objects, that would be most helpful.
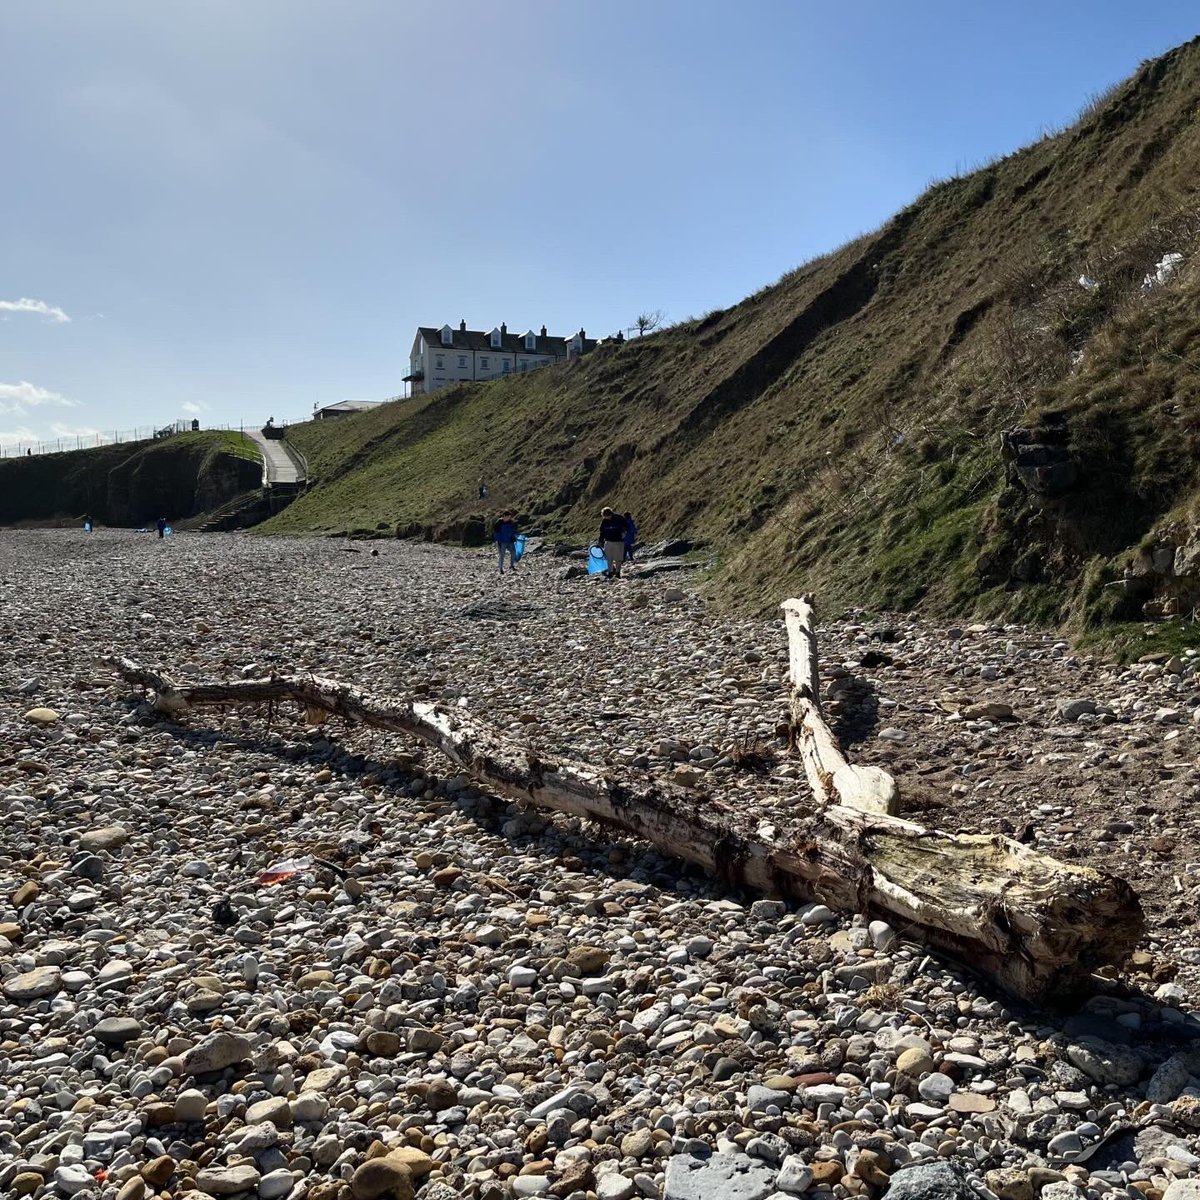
[{"x": 440, "y": 357}]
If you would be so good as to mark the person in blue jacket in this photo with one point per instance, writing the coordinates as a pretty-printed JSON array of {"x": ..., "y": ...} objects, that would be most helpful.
[
  {"x": 505, "y": 537},
  {"x": 630, "y": 537}
]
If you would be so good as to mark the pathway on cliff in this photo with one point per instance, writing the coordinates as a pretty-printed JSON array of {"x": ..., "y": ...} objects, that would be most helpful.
[{"x": 280, "y": 466}]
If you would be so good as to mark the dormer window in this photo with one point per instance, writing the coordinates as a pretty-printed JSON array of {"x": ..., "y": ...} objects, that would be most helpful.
[
  {"x": 447, "y": 336},
  {"x": 494, "y": 339},
  {"x": 530, "y": 340}
]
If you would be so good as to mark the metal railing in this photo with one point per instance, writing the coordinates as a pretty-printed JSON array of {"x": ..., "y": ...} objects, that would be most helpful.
[
  {"x": 142, "y": 433},
  {"x": 295, "y": 450},
  {"x": 89, "y": 441}
]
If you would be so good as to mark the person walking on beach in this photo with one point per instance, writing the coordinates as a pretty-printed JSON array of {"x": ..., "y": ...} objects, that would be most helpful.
[
  {"x": 612, "y": 541},
  {"x": 505, "y": 537},
  {"x": 162, "y": 526},
  {"x": 630, "y": 537},
  {"x": 483, "y": 491}
]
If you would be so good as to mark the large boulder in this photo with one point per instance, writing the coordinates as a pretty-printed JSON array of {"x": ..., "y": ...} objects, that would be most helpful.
[
  {"x": 931, "y": 1181},
  {"x": 718, "y": 1177}
]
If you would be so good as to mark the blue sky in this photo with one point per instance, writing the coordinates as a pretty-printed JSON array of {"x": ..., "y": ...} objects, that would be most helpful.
[{"x": 241, "y": 208}]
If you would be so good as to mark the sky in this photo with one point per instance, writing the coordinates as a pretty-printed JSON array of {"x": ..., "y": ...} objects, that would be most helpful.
[{"x": 235, "y": 209}]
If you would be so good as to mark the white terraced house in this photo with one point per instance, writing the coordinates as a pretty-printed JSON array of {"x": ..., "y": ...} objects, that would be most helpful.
[{"x": 440, "y": 357}]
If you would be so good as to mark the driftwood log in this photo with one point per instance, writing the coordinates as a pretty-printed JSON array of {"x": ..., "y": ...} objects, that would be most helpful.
[
  {"x": 1032, "y": 924},
  {"x": 832, "y": 779}
]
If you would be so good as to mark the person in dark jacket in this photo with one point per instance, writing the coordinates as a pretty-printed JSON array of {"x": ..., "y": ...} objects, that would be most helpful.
[
  {"x": 612, "y": 541},
  {"x": 630, "y": 537},
  {"x": 505, "y": 537},
  {"x": 162, "y": 526}
]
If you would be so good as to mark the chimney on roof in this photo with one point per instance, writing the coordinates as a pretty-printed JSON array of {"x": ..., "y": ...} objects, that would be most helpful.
[
  {"x": 462, "y": 327},
  {"x": 503, "y": 329},
  {"x": 543, "y": 331},
  {"x": 582, "y": 334}
]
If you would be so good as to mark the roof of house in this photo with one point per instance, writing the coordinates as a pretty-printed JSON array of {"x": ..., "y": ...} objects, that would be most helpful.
[
  {"x": 350, "y": 406},
  {"x": 510, "y": 343}
]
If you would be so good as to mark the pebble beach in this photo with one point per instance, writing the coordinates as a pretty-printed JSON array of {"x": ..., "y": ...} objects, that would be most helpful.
[{"x": 242, "y": 955}]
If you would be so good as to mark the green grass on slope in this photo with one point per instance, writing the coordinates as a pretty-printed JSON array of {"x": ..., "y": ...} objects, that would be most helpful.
[{"x": 840, "y": 429}]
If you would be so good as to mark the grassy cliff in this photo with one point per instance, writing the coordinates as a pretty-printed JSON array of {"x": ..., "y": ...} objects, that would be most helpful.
[
  {"x": 129, "y": 484},
  {"x": 841, "y": 429}
]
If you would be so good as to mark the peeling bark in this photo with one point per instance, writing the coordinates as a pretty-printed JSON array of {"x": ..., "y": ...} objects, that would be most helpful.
[
  {"x": 832, "y": 779},
  {"x": 1032, "y": 924}
]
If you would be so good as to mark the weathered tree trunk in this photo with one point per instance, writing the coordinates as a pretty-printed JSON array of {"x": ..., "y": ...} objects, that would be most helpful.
[
  {"x": 832, "y": 779},
  {"x": 1033, "y": 924}
]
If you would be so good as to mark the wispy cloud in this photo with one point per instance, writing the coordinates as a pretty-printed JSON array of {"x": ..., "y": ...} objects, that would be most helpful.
[
  {"x": 189, "y": 407},
  {"x": 17, "y": 398},
  {"x": 38, "y": 307}
]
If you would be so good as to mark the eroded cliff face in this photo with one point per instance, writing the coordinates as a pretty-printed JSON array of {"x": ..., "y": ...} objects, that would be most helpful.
[{"x": 130, "y": 484}]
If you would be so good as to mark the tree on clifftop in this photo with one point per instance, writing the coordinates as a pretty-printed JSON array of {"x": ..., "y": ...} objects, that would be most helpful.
[{"x": 647, "y": 321}]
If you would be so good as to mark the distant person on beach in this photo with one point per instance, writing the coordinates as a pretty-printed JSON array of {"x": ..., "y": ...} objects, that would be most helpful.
[
  {"x": 630, "y": 537},
  {"x": 483, "y": 492},
  {"x": 505, "y": 537},
  {"x": 161, "y": 525},
  {"x": 612, "y": 541}
]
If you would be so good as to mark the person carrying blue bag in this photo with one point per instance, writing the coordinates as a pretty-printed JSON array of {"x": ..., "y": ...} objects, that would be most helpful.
[
  {"x": 612, "y": 541},
  {"x": 505, "y": 536}
]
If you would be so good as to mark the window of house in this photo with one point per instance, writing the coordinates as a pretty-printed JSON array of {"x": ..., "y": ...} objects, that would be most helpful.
[
  {"x": 462, "y": 360},
  {"x": 483, "y": 363},
  {"x": 507, "y": 366},
  {"x": 440, "y": 363}
]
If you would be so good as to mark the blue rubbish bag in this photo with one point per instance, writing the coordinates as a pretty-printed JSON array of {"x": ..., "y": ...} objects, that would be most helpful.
[
  {"x": 87, "y": 527},
  {"x": 597, "y": 563},
  {"x": 519, "y": 548}
]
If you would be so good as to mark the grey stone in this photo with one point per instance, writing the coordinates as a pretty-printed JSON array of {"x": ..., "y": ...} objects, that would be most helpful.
[
  {"x": 276, "y": 1183},
  {"x": 795, "y": 1175},
  {"x": 1065, "y": 1145},
  {"x": 1060, "y": 1189},
  {"x": 227, "y": 1181},
  {"x": 819, "y": 914},
  {"x": 758, "y": 1098},
  {"x": 936, "y": 1088},
  {"x": 1072, "y": 710},
  {"x": 72, "y": 1178},
  {"x": 107, "y": 838},
  {"x": 615, "y": 1187},
  {"x": 1168, "y": 1082},
  {"x": 190, "y": 1105},
  {"x": 33, "y": 985},
  {"x": 1182, "y": 1189},
  {"x": 1104, "y": 1062},
  {"x": 90, "y": 867},
  {"x": 216, "y": 1052},
  {"x": 717, "y": 1177},
  {"x": 558, "y": 1100},
  {"x": 116, "y": 1031},
  {"x": 930, "y": 1181}
]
